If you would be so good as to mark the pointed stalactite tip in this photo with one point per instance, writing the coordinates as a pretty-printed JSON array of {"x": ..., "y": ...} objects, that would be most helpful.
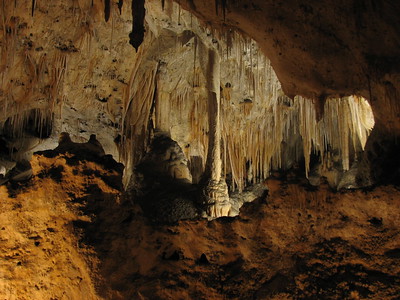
[
  {"x": 33, "y": 7},
  {"x": 138, "y": 13},
  {"x": 107, "y": 10},
  {"x": 136, "y": 39},
  {"x": 319, "y": 105},
  {"x": 120, "y": 4},
  {"x": 223, "y": 5}
]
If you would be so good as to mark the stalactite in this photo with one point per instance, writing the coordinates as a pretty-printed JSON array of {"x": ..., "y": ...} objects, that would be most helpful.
[
  {"x": 213, "y": 86},
  {"x": 194, "y": 59},
  {"x": 33, "y": 7},
  {"x": 112, "y": 26},
  {"x": 138, "y": 13},
  {"x": 150, "y": 123},
  {"x": 261, "y": 129},
  {"x": 107, "y": 10},
  {"x": 179, "y": 15},
  {"x": 223, "y": 7},
  {"x": 120, "y": 4},
  {"x": 223, "y": 3}
]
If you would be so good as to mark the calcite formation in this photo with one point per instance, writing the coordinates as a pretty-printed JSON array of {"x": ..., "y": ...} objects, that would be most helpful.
[
  {"x": 322, "y": 48},
  {"x": 69, "y": 67},
  {"x": 207, "y": 105}
]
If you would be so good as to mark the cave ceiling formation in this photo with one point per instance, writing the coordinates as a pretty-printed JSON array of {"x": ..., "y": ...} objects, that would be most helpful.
[
  {"x": 70, "y": 67},
  {"x": 322, "y": 48}
]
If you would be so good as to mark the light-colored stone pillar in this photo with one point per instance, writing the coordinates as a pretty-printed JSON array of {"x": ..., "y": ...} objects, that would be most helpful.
[{"x": 216, "y": 189}]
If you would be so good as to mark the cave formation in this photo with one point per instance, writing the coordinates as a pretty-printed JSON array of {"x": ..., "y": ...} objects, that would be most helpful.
[{"x": 199, "y": 149}]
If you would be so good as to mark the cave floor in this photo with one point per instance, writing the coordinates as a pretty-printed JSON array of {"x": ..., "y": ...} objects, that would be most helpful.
[{"x": 70, "y": 233}]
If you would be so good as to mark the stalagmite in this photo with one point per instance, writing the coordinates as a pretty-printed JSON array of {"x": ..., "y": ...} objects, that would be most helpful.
[{"x": 216, "y": 190}]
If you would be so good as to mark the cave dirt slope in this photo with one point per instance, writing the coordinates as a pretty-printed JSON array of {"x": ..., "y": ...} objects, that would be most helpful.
[{"x": 70, "y": 233}]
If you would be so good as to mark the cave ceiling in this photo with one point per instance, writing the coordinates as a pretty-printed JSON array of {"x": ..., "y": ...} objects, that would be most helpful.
[
  {"x": 321, "y": 48},
  {"x": 316, "y": 47}
]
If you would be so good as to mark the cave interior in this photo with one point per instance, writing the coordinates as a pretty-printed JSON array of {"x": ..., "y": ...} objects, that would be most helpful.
[{"x": 226, "y": 149}]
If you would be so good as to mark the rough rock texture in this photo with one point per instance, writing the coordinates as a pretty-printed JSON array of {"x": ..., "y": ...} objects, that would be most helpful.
[
  {"x": 67, "y": 65},
  {"x": 250, "y": 194},
  {"x": 80, "y": 237},
  {"x": 42, "y": 222}
]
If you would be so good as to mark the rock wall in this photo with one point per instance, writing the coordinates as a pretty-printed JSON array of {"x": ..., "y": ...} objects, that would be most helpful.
[
  {"x": 70, "y": 65},
  {"x": 80, "y": 238}
]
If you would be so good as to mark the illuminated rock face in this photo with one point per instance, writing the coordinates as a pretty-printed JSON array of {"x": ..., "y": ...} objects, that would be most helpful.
[
  {"x": 322, "y": 48},
  {"x": 238, "y": 89},
  {"x": 70, "y": 68}
]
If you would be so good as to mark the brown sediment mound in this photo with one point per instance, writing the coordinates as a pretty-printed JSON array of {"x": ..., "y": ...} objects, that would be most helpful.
[
  {"x": 71, "y": 233},
  {"x": 41, "y": 253}
]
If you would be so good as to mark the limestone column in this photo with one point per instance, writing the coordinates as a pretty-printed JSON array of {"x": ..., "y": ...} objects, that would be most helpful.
[{"x": 216, "y": 189}]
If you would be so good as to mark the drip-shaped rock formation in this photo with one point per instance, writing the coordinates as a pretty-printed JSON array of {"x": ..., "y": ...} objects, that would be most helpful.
[
  {"x": 216, "y": 190},
  {"x": 240, "y": 131}
]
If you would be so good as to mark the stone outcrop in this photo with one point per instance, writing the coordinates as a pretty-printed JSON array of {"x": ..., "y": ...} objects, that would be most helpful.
[{"x": 91, "y": 148}]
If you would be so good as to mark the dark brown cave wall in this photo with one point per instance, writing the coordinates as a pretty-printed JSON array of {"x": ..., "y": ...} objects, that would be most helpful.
[{"x": 322, "y": 48}]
